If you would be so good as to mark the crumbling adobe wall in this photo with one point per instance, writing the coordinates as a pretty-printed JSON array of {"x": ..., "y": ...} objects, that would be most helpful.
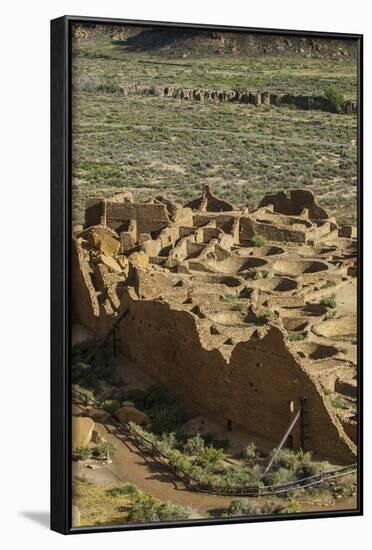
[
  {"x": 208, "y": 202},
  {"x": 254, "y": 390},
  {"x": 307, "y": 102},
  {"x": 293, "y": 205},
  {"x": 248, "y": 227},
  {"x": 85, "y": 306},
  {"x": 149, "y": 217}
]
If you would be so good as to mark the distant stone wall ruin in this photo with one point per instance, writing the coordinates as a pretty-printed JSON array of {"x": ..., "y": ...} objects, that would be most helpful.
[{"x": 307, "y": 102}]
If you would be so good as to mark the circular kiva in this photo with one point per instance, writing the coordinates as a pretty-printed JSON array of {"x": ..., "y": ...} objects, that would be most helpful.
[
  {"x": 276, "y": 284},
  {"x": 316, "y": 351},
  {"x": 344, "y": 327},
  {"x": 299, "y": 267},
  {"x": 217, "y": 280},
  {"x": 261, "y": 251},
  {"x": 295, "y": 324},
  {"x": 309, "y": 310},
  {"x": 226, "y": 317},
  {"x": 235, "y": 264}
]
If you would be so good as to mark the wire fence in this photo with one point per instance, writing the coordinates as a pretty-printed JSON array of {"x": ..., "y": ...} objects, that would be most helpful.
[{"x": 251, "y": 489}]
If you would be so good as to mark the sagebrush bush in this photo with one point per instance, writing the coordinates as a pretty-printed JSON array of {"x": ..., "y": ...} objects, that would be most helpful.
[
  {"x": 83, "y": 453},
  {"x": 335, "y": 98},
  {"x": 258, "y": 240},
  {"x": 209, "y": 457},
  {"x": 194, "y": 445},
  {"x": 104, "y": 449},
  {"x": 329, "y": 301}
]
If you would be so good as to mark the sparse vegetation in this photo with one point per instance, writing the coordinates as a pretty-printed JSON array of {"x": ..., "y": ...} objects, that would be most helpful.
[
  {"x": 229, "y": 297},
  {"x": 329, "y": 301},
  {"x": 258, "y": 240},
  {"x": 267, "y": 150},
  {"x": 104, "y": 450},
  {"x": 248, "y": 507},
  {"x": 266, "y": 316},
  {"x": 82, "y": 453},
  {"x": 194, "y": 445},
  {"x": 297, "y": 337},
  {"x": 328, "y": 284},
  {"x": 335, "y": 97}
]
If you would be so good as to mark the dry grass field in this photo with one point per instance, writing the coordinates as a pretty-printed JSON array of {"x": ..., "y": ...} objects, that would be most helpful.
[{"x": 152, "y": 145}]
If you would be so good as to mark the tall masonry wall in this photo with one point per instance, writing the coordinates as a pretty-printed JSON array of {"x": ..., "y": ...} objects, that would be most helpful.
[{"x": 256, "y": 390}]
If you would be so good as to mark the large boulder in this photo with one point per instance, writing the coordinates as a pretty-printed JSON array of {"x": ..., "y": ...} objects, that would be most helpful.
[
  {"x": 111, "y": 264},
  {"x": 139, "y": 259},
  {"x": 131, "y": 414},
  {"x": 103, "y": 239},
  {"x": 82, "y": 429}
]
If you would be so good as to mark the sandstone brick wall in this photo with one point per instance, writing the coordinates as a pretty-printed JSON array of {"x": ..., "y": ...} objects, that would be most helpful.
[{"x": 254, "y": 390}]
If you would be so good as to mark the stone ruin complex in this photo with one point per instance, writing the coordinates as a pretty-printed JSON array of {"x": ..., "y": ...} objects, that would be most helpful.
[
  {"x": 224, "y": 307},
  {"x": 306, "y": 102}
]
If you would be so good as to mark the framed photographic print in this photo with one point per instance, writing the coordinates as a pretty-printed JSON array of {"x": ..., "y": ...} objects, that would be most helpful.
[{"x": 206, "y": 274}]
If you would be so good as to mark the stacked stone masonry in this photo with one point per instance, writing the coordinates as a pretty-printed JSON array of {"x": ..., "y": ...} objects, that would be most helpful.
[{"x": 226, "y": 308}]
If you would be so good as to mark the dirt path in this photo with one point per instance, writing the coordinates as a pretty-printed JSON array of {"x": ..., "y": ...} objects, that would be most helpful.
[{"x": 131, "y": 466}]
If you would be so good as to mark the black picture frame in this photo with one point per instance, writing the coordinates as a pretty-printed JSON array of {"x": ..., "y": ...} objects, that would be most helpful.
[{"x": 61, "y": 226}]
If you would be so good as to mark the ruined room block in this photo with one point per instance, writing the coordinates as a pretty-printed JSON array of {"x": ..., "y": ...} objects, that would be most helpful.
[
  {"x": 112, "y": 264},
  {"x": 143, "y": 237},
  {"x": 348, "y": 231},
  {"x": 146, "y": 211},
  {"x": 126, "y": 241},
  {"x": 95, "y": 212}
]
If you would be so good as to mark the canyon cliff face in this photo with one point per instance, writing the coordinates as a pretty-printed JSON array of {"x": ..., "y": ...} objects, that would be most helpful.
[{"x": 181, "y": 42}]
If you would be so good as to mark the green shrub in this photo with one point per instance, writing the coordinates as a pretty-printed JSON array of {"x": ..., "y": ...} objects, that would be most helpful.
[
  {"x": 328, "y": 284},
  {"x": 82, "y": 393},
  {"x": 243, "y": 507},
  {"x": 104, "y": 449},
  {"x": 209, "y": 456},
  {"x": 194, "y": 445},
  {"x": 111, "y": 405},
  {"x": 126, "y": 490},
  {"x": 335, "y": 98},
  {"x": 329, "y": 301},
  {"x": 83, "y": 453},
  {"x": 246, "y": 507},
  {"x": 257, "y": 240},
  {"x": 297, "y": 337},
  {"x": 168, "y": 420},
  {"x": 293, "y": 508},
  {"x": 266, "y": 316},
  {"x": 339, "y": 403},
  {"x": 145, "y": 508},
  {"x": 276, "y": 477},
  {"x": 251, "y": 452}
]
